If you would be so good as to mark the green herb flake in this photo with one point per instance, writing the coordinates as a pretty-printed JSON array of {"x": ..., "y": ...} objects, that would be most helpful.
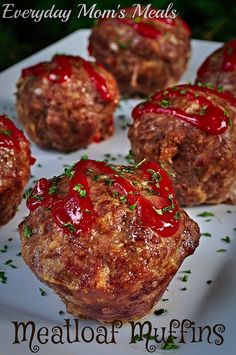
[
  {"x": 221, "y": 250},
  {"x": 42, "y": 292},
  {"x": 84, "y": 157},
  {"x": 4, "y": 249},
  {"x": 61, "y": 312},
  {"x": 165, "y": 299},
  {"x": 202, "y": 110},
  {"x": 69, "y": 226},
  {"x": 53, "y": 189},
  {"x": 109, "y": 182},
  {"x": 185, "y": 278},
  {"x": 183, "y": 91},
  {"x": 6, "y": 132},
  {"x": 132, "y": 207},
  {"x": 159, "y": 312},
  {"x": 80, "y": 189},
  {"x": 206, "y": 214},
  {"x": 226, "y": 239},
  {"x": 69, "y": 172},
  {"x": 164, "y": 103},
  {"x": 206, "y": 234},
  {"x": 19, "y": 254},
  {"x": 183, "y": 289},
  {"x": 177, "y": 215},
  {"x": 123, "y": 198},
  {"x": 3, "y": 277},
  {"x": 169, "y": 344},
  {"x": 27, "y": 232},
  {"x": 209, "y": 282},
  {"x": 9, "y": 263}
]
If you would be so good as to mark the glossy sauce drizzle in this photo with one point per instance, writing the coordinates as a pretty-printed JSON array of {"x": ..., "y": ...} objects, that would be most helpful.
[
  {"x": 60, "y": 70},
  {"x": 209, "y": 118},
  {"x": 10, "y": 136},
  {"x": 75, "y": 214}
]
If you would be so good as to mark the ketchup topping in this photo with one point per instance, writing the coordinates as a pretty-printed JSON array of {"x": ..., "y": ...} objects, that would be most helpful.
[
  {"x": 229, "y": 61},
  {"x": 10, "y": 136},
  {"x": 74, "y": 211},
  {"x": 208, "y": 118},
  {"x": 59, "y": 70},
  {"x": 146, "y": 29}
]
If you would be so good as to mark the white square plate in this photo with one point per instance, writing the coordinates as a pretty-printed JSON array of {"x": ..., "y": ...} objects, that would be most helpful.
[{"x": 202, "y": 303}]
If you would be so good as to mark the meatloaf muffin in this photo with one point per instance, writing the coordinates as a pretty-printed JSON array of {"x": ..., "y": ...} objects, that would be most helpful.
[
  {"x": 143, "y": 54},
  {"x": 15, "y": 161},
  {"x": 108, "y": 239},
  {"x": 66, "y": 103},
  {"x": 191, "y": 129},
  {"x": 219, "y": 69}
]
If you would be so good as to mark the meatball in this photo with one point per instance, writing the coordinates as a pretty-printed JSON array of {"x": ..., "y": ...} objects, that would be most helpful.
[
  {"x": 15, "y": 160},
  {"x": 191, "y": 129},
  {"x": 108, "y": 239},
  {"x": 144, "y": 54},
  {"x": 219, "y": 69},
  {"x": 66, "y": 103}
]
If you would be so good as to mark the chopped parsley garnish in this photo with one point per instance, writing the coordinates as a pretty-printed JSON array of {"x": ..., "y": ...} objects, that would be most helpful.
[
  {"x": 220, "y": 88},
  {"x": 185, "y": 278},
  {"x": 226, "y": 239},
  {"x": 164, "y": 103},
  {"x": 123, "y": 198},
  {"x": 183, "y": 289},
  {"x": 206, "y": 234},
  {"x": 80, "y": 189},
  {"x": 202, "y": 110},
  {"x": 209, "y": 282},
  {"x": 221, "y": 250},
  {"x": 61, "y": 312},
  {"x": 206, "y": 214},
  {"x": 38, "y": 197},
  {"x": 4, "y": 249},
  {"x": 165, "y": 299},
  {"x": 6, "y": 132},
  {"x": 109, "y": 181},
  {"x": 159, "y": 312},
  {"x": 19, "y": 254},
  {"x": 129, "y": 157},
  {"x": 169, "y": 344},
  {"x": 139, "y": 164},
  {"x": 3, "y": 277},
  {"x": 156, "y": 176},
  {"x": 42, "y": 292},
  {"x": 186, "y": 272},
  {"x": 177, "y": 215},
  {"x": 27, "y": 232},
  {"x": 69, "y": 172},
  {"x": 9, "y": 263},
  {"x": 84, "y": 157},
  {"x": 167, "y": 171},
  {"x": 132, "y": 207},
  {"x": 70, "y": 227},
  {"x": 53, "y": 189}
]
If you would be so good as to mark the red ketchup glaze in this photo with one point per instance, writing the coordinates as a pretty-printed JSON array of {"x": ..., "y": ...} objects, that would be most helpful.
[
  {"x": 59, "y": 70},
  {"x": 144, "y": 29},
  {"x": 10, "y": 137},
  {"x": 75, "y": 214},
  {"x": 210, "y": 119},
  {"x": 229, "y": 61}
]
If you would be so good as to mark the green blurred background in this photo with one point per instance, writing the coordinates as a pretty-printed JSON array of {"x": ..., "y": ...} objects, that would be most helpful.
[{"x": 209, "y": 19}]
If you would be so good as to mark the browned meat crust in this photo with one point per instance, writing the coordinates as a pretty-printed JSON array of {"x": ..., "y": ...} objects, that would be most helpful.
[
  {"x": 211, "y": 72},
  {"x": 14, "y": 172},
  {"x": 68, "y": 115},
  {"x": 204, "y": 164},
  {"x": 120, "y": 269},
  {"x": 141, "y": 65}
]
